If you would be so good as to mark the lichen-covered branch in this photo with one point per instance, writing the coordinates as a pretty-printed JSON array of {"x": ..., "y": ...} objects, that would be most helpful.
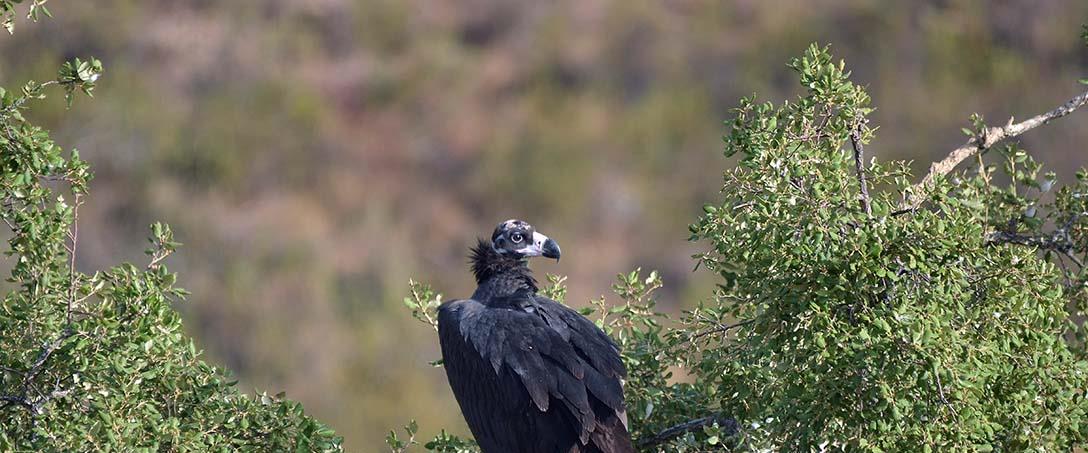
[
  {"x": 859, "y": 165},
  {"x": 988, "y": 137}
]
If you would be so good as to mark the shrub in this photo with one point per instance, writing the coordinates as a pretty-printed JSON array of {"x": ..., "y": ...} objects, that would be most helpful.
[{"x": 100, "y": 361}]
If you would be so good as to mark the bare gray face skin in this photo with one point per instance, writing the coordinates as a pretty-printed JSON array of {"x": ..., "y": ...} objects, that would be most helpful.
[{"x": 519, "y": 239}]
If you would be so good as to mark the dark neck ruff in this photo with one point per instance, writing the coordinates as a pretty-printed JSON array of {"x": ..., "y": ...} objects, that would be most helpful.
[{"x": 497, "y": 274}]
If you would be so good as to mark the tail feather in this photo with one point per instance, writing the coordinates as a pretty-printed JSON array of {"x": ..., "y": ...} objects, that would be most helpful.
[{"x": 610, "y": 436}]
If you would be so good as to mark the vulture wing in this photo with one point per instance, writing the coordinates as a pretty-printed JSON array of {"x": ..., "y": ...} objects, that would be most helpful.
[{"x": 528, "y": 371}]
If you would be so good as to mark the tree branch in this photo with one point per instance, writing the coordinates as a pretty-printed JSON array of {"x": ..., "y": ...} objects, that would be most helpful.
[
  {"x": 36, "y": 407},
  {"x": 728, "y": 423},
  {"x": 859, "y": 157},
  {"x": 1058, "y": 242},
  {"x": 987, "y": 138},
  {"x": 718, "y": 329},
  {"x": 10, "y": 400},
  {"x": 47, "y": 350},
  {"x": 940, "y": 391}
]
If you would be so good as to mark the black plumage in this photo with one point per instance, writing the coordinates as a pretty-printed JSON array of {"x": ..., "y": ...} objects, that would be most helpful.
[{"x": 530, "y": 374}]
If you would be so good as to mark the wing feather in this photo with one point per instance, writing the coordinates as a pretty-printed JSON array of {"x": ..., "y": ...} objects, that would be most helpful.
[
  {"x": 551, "y": 352},
  {"x": 605, "y": 372}
]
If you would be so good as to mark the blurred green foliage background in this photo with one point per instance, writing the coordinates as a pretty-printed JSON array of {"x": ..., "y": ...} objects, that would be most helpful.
[{"x": 314, "y": 155}]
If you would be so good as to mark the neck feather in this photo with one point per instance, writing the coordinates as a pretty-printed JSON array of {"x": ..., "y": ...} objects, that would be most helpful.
[{"x": 488, "y": 264}]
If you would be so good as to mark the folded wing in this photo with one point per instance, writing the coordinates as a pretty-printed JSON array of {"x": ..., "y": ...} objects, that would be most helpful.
[{"x": 530, "y": 352}]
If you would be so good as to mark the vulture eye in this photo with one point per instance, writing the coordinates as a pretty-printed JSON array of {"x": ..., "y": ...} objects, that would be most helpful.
[{"x": 517, "y": 238}]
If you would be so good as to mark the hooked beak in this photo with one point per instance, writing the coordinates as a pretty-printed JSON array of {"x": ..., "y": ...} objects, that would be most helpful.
[
  {"x": 543, "y": 246},
  {"x": 551, "y": 249}
]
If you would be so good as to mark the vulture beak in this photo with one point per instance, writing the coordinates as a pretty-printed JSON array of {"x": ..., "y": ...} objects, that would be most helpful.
[
  {"x": 551, "y": 249},
  {"x": 543, "y": 246}
]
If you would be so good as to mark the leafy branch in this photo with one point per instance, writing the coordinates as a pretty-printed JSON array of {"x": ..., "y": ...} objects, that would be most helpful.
[
  {"x": 424, "y": 303},
  {"x": 101, "y": 361},
  {"x": 7, "y": 12}
]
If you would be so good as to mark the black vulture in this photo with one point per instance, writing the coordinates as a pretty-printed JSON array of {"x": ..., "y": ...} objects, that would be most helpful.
[{"x": 530, "y": 374}]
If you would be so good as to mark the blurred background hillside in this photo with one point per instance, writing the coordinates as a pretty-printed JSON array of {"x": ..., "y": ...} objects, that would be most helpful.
[{"x": 314, "y": 155}]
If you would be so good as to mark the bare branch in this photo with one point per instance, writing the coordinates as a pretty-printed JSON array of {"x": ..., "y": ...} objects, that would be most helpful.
[
  {"x": 1058, "y": 242},
  {"x": 13, "y": 400},
  {"x": 940, "y": 391},
  {"x": 859, "y": 157},
  {"x": 986, "y": 139},
  {"x": 727, "y": 423}
]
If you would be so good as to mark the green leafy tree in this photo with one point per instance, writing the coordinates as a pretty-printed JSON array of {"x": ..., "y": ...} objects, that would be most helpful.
[
  {"x": 856, "y": 310},
  {"x": 100, "y": 362},
  {"x": 881, "y": 321}
]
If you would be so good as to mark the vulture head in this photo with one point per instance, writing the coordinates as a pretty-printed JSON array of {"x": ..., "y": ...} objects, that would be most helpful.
[{"x": 517, "y": 239}]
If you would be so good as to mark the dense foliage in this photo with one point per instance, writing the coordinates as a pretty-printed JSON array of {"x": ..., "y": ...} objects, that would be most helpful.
[
  {"x": 314, "y": 155},
  {"x": 884, "y": 329},
  {"x": 99, "y": 362},
  {"x": 847, "y": 317}
]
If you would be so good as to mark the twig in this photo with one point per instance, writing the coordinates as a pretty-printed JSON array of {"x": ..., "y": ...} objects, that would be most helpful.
[
  {"x": 940, "y": 391},
  {"x": 1072, "y": 258},
  {"x": 987, "y": 138},
  {"x": 1065, "y": 272},
  {"x": 818, "y": 133},
  {"x": 162, "y": 251},
  {"x": 718, "y": 329},
  {"x": 72, "y": 258},
  {"x": 730, "y": 426},
  {"x": 859, "y": 157}
]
